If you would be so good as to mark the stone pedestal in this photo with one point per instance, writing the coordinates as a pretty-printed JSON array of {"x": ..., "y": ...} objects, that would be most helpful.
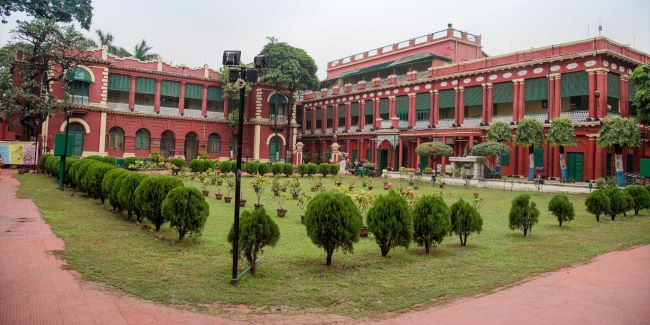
[{"x": 476, "y": 162}]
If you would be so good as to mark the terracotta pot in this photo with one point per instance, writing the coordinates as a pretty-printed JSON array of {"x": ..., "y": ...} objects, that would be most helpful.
[
  {"x": 386, "y": 187},
  {"x": 313, "y": 189},
  {"x": 257, "y": 189},
  {"x": 302, "y": 218},
  {"x": 258, "y": 206},
  {"x": 294, "y": 196},
  {"x": 363, "y": 232},
  {"x": 276, "y": 193},
  {"x": 219, "y": 182},
  {"x": 227, "y": 199},
  {"x": 218, "y": 196},
  {"x": 284, "y": 190},
  {"x": 282, "y": 212},
  {"x": 242, "y": 203},
  {"x": 206, "y": 193},
  {"x": 415, "y": 187},
  {"x": 338, "y": 183},
  {"x": 370, "y": 188}
]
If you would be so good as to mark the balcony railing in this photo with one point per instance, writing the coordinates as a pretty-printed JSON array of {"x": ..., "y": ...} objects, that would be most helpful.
[
  {"x": 402, "y": 79},
  {"x": 445, "y": 122},
  {"x": 169, "y": 110},
  {"x": 402, "y": 125},
  {"x": 193, "y": 113},
  {"x": 118, "y": 106},
  {"x": 277, "y": 118},
  {"x": 472, "y": 121},
  {"x": 143, "y": 109},
  {"x": 318, "y": 131},
  {"x": 576, "y": 116},
  {"x": 502, "y": 118},
  {"x": 539, "y": 117},
  {"x": 367, "y": 127},
  {"x": 217, "y": 115},
  {"x": 385, "y": 124},
  {"x": 421, "y": 125},
  {"x": 329, "y": 131},
  {"x": 340, "y": 129},
  {"x": 79, "y": 100}
]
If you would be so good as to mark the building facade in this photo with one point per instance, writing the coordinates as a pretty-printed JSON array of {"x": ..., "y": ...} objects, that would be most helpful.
[
  {"x": 124, "y": 107},
  {"x": 379, "y": 105}
]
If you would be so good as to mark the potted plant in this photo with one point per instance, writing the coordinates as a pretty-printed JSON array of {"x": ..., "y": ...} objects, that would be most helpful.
[
  {"x": 417, "y": 182},
  {"x": 370, "y": 187},
  {"x": 364, "y": 182},
  {"x": 294, "y": 187},
  {"x": 230, "y": 182},
  {"x": 205, "y": 181},
  {"x": 259, "y": 183},
  {"x": 384, "y": 174},
  {"x": 282, "y": 211},
  {"x": 351, "y": 186},
  {"x": 276, "y": 185},
  {"x": 388, "y": 186},
  {"x": 411, "y": 177},
  {"x": 303, "y": 199},
  {"x": 363, "y": 200},
  {"x": 242, "y": 202},
  {"x": 338, "y": 179}
]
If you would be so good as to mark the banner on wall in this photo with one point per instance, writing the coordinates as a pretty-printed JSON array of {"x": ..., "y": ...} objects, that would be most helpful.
[{"x": 18, "y": 153}]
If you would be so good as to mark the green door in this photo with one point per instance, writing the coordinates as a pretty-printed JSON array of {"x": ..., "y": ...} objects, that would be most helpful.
[
  {"x": 629, "y": 165},
  {"x": 575, "y": 166},
  {"x": 77, "y": 131},
  {"x": 424, "y": 162},
  {"x": 274, "y": 149},
  {"x": 608, "y": 165},
  {"x": 355, "y": 155},
  {"x": 383, "y": 159}
]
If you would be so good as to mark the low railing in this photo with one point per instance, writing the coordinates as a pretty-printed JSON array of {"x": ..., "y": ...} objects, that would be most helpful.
[
  {"x": 576, "y": 116},
  {"x": 143, "y": 109},
  {"x": 318, "y": 131},
  {"x": 329, "y": 131},
  {"x": 118, "y": 106},
  {"x": 539, "y": 117},
  {"x": 472, "y": 121},
  {"x": 79, "y": 100},
  {"x": 367, "y": 127},
  {"x": 277, "y": 118},
  {"x": 421, "y": 125},
  {"x": 193, "y": 113},
  {"x": 502, "y": 118},
  {"x": 402, "y": 79},
  {"x": 445, "y": 122},
  {"x": 402, "y": 125},
  {"x": 169, "y": 110},
  {"x": 217, "y": 115},
  {"x": 385, "y": 124},
  {"x": 340, "y": 129}
]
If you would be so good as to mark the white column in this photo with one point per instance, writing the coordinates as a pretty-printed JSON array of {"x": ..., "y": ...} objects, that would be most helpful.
[
  {"x": 102, "y": 134},
  {"x": 256, "y": 142}
]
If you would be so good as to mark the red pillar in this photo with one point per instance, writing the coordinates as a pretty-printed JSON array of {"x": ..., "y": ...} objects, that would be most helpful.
[
  {"x": 623, "y": 100},
  {"x": 484, "y": 104},
  {"x": 204, "y": 102},
  {"x": 181, "y": 99},
  {"x": 392, "y": 112},
  {"x": 313, "y": 120},
  {"x": 417, "y": 157},
  {"x": 225, "y": 107},
  {"x": 551, "y": 97},
  {"x": 558, "y": 95},
  {"x": 156, "y": 100},
  {"x": 348, "y": 116},
  {"x": 324, "y": 119},
  {"x": 411, "y": 116},
  {"x": 461, "y": 106},
  {"x": 362, "y": 114},
  {"x": 401, "y": 150},
  {"x": 349, "y": 150},
  {"x": 599, "y": 162},
  {"x": 444, "y": 159},
  {"x": 601, "y": 84},
  {"x": 375, "y": 114},
  {"x": 435, "y": 114},
  {"x": 489, "y": 104},
  {"x": 304, "y": 120},
  {"x": 456, "y": 114},
  {"x": 522, "y": 161},
  {"x": 132, "y": 93},
  {"x": 522, "y": 103},
  {"x": 515, "y": 101},
  {"x": 335, "y": 119}
]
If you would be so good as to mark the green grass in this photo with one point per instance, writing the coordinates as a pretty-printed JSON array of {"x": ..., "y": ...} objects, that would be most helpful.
[{"x": 103, "y": 247}]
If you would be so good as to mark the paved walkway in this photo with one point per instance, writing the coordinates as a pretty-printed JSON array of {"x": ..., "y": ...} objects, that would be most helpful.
[{"x": 35, "y": 289}]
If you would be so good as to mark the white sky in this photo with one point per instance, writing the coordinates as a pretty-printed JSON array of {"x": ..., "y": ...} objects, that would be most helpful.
[{"x": 195, "y": 32}]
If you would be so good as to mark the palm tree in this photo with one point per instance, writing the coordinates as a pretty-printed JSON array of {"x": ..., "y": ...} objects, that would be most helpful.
[
  {"x": 563, "y": 135},
  {"x": 106, "y": 39},
  {"x": 141, "y": 52},
  {"x": 530, "y": 133}
]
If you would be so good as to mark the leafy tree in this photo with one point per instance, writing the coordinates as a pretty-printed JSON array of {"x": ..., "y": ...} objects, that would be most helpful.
[
  {"x": 256, "y": 231},
  {"x": 435, "y": 149},
  {"x": 290, "y": 68},
  {"x": 598, "y": 203},
  {"x": 617, "y": 202},
  {"x": 523, "y": 214},
  {"x": 491, "y": 148},
  {"x": 390, "y": 222},
  {"x": 430, "y": 221},
  {"x": 640, "y": 99},
  {"x": 641, "y": 197},
  {"x": 499, "y": 131},
  {"x": 64, "y": 11},
  {"x": 562, "y": 208},
  {"x": 530, "y": 133},
  {"x": 126, "y": 195},
  {"x": 333, "y": 222},
  {"x": 150, "y": 194},
  {"x": 619, "y": 133},
  {"x": 465, "y": 220},
  {"x": 186, "y": 210},
  {"x": 142, "y": 52},
  {"x": 629, "y": 202},
  {"x": 563, "y": 135}
]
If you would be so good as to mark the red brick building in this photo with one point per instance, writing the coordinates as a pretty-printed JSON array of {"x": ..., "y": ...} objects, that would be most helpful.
[
  {"x": 131, "y": 108},
  {"x": 380, "y": 104}
]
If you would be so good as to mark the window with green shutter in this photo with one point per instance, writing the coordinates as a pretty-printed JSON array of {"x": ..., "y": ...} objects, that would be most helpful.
[
  {"x": 613, "y": 85},
  {"x": 170, "y": 88},
  {"x": 384, "y": 108},
  {"x": 473, "y": 96},
  {"x": 536, "y": 89},
  {"x": 574, "y": 84},
  {"x": 369, "y": 154},
  {"x": 505, "y": 160},
  {"x": 446, "y": 99},
  {"x": 422, "y": 104},
  {"x": 539, "y": 157},
  {"x": 145, "y": 86},
  {"x": 342, "y": 113},
  {"x": 368, "y": 111},
  {"x": 402, "y": 107},
  {"x": 502, "y": 93},
  {"x": 354, "y": 109},
  {"x": 328, "y": 114},
  {"x": 319, "y": 117},
  {"x": 194, "y": 91},
  {"x": 142, "y": 139},
  {"x": 119, "y": 82},
  {"x": 215, "y": 94}
]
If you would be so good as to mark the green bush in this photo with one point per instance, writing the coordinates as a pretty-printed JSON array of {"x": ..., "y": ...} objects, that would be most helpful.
[
  {"x": 52, "y": 165},
  {"x": 108, "y": 181},
  {"x": 41, "y": 161},
  {"x": 287, "y": 169},
  {"x": 96, "y": 158},
  {"x": 178, "y": 162},
  {"x": 324, "y": 169},
  {"x": 69, "y": 163},
  {"x": 617, "y": 202},
  {"x": 369, "y": 166},
  {"x": 333, "y": 222},
  {"x": 430, "y": 221},
  {"x": 276, "y": 168},
  {"x": 334, "y": 169},
  {"x": 312, "y": 169},
  {"x": 130, "y": 161},
  {"x": 80, "y": 175},
  {"x": 262, "y": 168},
  {"x": 562, "y": 208},
  {"x": 427, "y": 170},
  {"x": 92, "y": 182},
  {"x": 598, "y": 203},
  {"x": 72, "y": 171},
  {"x": 302, "y": 169},
  {"x": 200, "y": 165},
  {"x": 115, "y": 190},
  {"x": 186, "y": 210},
  {"x": 641, "y": 197},
  {"x": 203, "y": 155},
  {"x": 390, "y": 222},
  {"x": 150, "y": 194},
  {"x": 126, "y": 194},
  {"x": 109, "y": 160},
  {"x": 251, "y": 167},
  {"x": 629, "y": 202},
  {"x": 523, "y": 214},
  {"x": 257, "y": 230},
  {"x": 465, "y": 220}
]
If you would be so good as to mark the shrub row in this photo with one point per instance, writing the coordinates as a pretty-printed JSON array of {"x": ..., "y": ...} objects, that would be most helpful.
[
  {"x": 612, "y": 201},
  {"x": 279, "y": 168},
  {"x": 202, "y": 165},
  {"x": 322, "y": 168}
]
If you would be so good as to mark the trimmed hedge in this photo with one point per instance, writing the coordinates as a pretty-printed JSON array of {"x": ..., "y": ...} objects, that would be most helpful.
[
  {"x": 125, "y": 196},
  {"x": 186, "y": 210},
  {"x": 115, "y": 189},
  {"x": 287, "y": 169},
  {"x": 85, "y": 164},
  {"x": 130, "y": 161},
  {"x": 324, "y": 169},
  {"x": 257, "y": 231},
  {"x": 202, "y": 165},
  {"x": 179, "y": 162},
  {"x": 92, "y": 182},
  {"x": 277, "y": 168},
  {"x": 389, "y": 220},
  {"x": 334, "y": 169},
  {"x": 302, "y": 169},
  {"x": 108, "y": 181},
  {"x": 263, "y": 168},
  {"x": 312, "y": 169},
  {"x": 227, "y": 166},
  {"x": 69, "y": 163},
  {"x": 41, "y": 161},
  {"x": 150, "y": 194}
]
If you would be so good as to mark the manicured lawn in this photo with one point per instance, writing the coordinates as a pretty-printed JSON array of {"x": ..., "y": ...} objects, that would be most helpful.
[{"x": 103, "y": 247}]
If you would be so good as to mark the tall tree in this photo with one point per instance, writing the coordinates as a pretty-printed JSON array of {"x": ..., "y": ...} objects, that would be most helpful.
[
  {"x": 640, "y": 99},
  {"x": 106, "y": 39},
  {"x": 51, "y": 50},
  {"x": 530, "y": 133},
  {"x": 619, "y": 133},
  {"x": 141, "y": 51},
  {"x": 290, "y": 68},
  {"x": 55, "y": 10},
  {"x": 563, "y": 135}
]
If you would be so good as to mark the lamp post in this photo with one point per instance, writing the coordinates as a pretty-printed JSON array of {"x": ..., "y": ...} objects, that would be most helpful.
[
  {"x": 67, "y": 114},
  {"x": 240, "y": 76}
]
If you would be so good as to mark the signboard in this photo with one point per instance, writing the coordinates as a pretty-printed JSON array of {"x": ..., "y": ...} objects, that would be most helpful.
[
  {"x": 645, "y": 167},
  {"x": 59, "y": 144},
  {"x": 18, "y": 153}
]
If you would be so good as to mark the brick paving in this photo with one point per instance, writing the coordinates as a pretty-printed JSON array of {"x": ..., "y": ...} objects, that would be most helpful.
[{"x": 35, "y": 288}]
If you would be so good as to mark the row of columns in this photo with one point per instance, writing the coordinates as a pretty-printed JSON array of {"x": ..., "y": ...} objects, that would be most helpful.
[{"x": 597, "y": 79}]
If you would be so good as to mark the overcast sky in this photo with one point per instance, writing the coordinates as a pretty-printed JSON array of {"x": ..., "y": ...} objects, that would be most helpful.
[{"x": 195, "y": 32}]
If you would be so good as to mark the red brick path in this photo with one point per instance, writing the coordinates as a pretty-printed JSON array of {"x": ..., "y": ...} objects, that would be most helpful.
[{"x": 35, "y": 289}]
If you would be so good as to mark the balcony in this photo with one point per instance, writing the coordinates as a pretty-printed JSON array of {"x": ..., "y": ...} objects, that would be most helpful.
[
  {"x": 118, "y": 106},
  {"x": 193, "y": 113},
  {"x": 329, "y": 131},
  {"x": 367, "y": 127},
  {"x": 143, "y": 109},
  {"x": 472, "y": 122},
  {"x": 421, "y": 125},
  {"x": 280, "y": 119},
  {"x": 539, "y": 117},
  {"x": 385, "y": 124},
  {"x": 318, "y": 131},
  {"x": 169, "y": 110},
  {"x": 445, "y": 122},
  {"x": 503, "y": 118},
  {"x": 78, "y": 100},
  {"x": 340, "y": 129},
  {"x": 576, "y": 116},
  {"x": 402, "y": 125},
  {"x": 217, "y": 115}
]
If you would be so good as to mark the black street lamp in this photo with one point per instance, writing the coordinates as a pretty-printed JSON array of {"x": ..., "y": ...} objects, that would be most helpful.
[
  {"x": 67, "y": 114},
  {"x": 240, "y": 75}
]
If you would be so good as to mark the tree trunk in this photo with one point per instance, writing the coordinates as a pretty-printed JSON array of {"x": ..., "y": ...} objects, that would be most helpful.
[
  {"x": 465, "y": 239},
  {"x": 181, "y": 234},
  {"x": 598, "y": 218},
  {"x": 426, "y": 247},
  {"x": 618, "y": 162},
  {"x": 328, "y": 259},
  {"x": 636, "y": 211},
  {"x": 560, "y": 220},
  {"x": 613, "y": 215},
  {"x": 563, "y": 168},
  {"x": 531, "y": 163},
  {"x": 384, "y": 251},
  {"x": 129, "y": 214},
  {"x": 525, "y": 231},
  {"x": 158, "y": 226}
]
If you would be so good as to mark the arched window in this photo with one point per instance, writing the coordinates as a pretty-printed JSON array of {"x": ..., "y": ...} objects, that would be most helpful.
[
  {"x": 233, "y": 144},
  {"x": 142, "y": 139},
  {"x": 277, "y": 105},
  {"x": 214, "y": 143},
  {"x": 77, "y": 131},
  {"x": 116, "y": 138},
  {"x": 167, "y": 143},
  {"x": 275, "y": 144},
  {"x": 79, "y": 81}
]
